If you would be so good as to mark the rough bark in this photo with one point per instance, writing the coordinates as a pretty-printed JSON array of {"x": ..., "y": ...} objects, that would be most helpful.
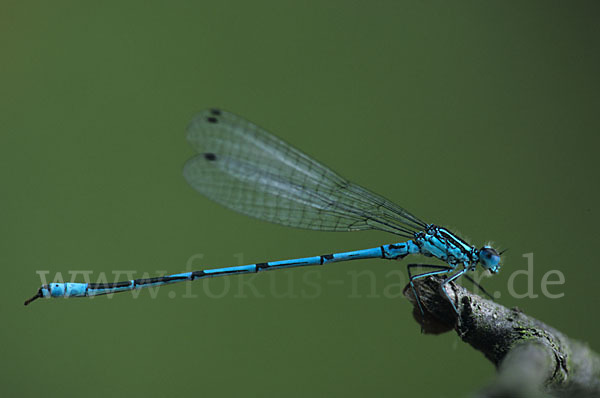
[{"x": 532, "y": 358}]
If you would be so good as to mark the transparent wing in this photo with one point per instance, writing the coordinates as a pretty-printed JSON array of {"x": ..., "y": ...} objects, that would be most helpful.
[{"x": 246, "y": 169}]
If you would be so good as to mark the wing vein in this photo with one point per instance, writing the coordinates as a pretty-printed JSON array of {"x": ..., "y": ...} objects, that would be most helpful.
[{"x": 246, "y": 169}]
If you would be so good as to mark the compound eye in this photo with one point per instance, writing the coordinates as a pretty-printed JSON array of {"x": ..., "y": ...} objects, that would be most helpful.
[{"x": 488, "y": 252}]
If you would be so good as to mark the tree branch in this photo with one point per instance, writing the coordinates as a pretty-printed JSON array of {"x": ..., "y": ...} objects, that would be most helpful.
[{"x": 532, "y": 358}]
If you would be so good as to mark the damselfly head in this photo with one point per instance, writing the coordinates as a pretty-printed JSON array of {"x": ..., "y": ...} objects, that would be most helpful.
[{"x": 489, "y": 259}]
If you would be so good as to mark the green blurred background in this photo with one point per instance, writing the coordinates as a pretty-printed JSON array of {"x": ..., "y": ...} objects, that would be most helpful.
[{"x": 479, "y": 116}]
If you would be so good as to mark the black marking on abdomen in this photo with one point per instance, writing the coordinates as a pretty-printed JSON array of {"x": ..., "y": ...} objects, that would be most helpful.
[
  {"x": 212, "y": 119},
  {"x": 399, "y": 246},
  {"x": 148, "y": 281},
  {"x": 210, "y": 156},
  {"x": 215, "y": 111},
  {"x": 260, "y": 266},
  {"x": 326, "y": 257},
  {"x": 198, "y": 274}
]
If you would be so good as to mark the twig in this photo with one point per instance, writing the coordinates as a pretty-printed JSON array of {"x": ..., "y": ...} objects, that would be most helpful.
[{"x": 532, "y": 358}]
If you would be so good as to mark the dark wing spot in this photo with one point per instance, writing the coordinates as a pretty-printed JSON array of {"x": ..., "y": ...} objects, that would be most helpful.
[
  {"x": 210, "y": 156},
  {"x": 211, "y": 119},
  {"x": 215, "y": 112}
]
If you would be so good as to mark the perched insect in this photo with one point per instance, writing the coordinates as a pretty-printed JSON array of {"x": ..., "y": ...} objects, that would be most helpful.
[{"x": 246, "y": 169}]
